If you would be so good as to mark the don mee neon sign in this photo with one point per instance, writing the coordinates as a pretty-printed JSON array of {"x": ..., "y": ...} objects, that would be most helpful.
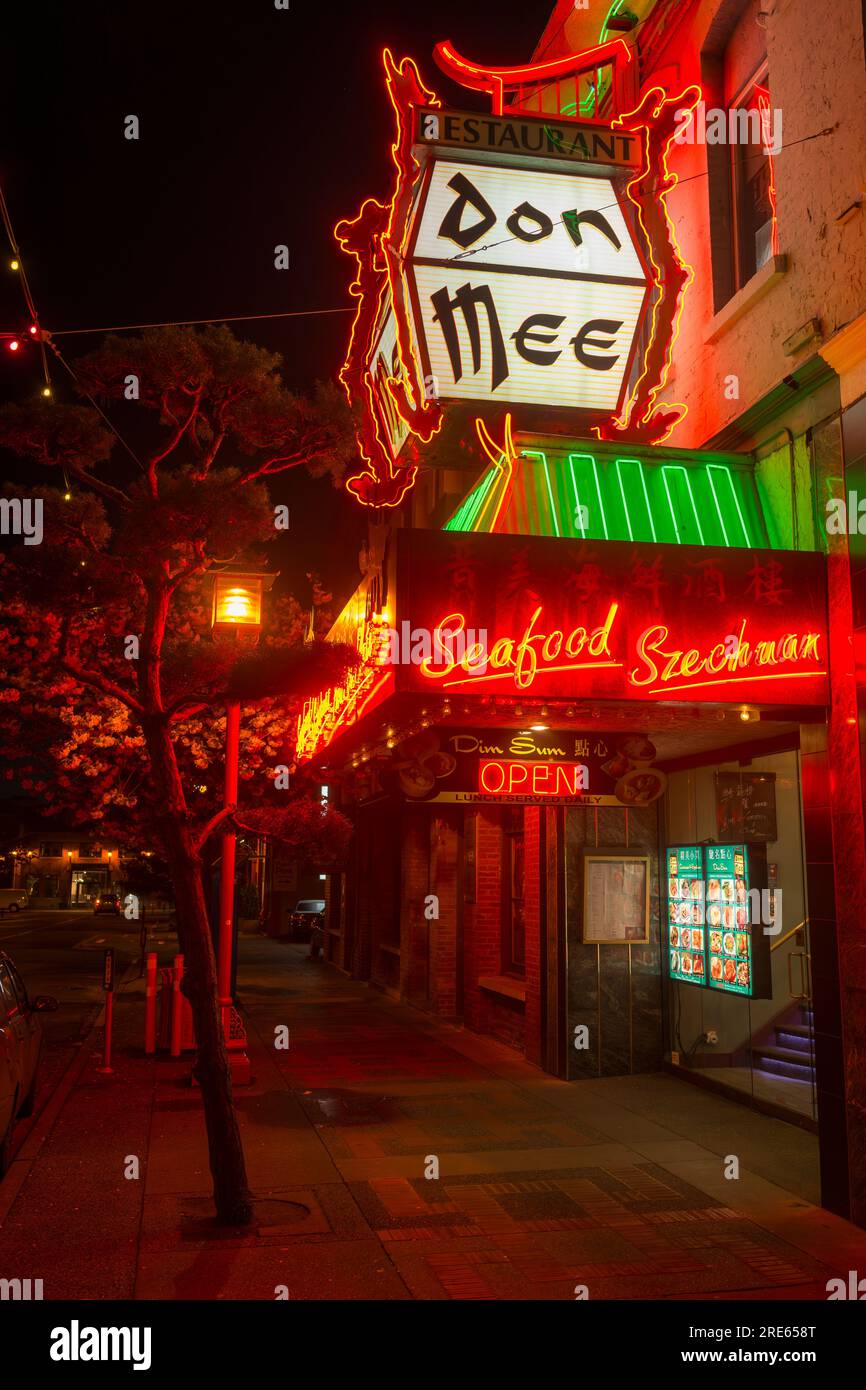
[{"x": 512, "y": 281}]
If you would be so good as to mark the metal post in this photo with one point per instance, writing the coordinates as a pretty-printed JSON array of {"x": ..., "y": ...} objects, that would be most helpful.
[
  {"x": 176, "y": 1006},
  {"x": 106, "y": 1067},
  {"x": 108, "y": 986},
  {"x": 150, "y": 1006},
  {"x": 235, "y": 1038},
  {"x": 227, "y": 865}
]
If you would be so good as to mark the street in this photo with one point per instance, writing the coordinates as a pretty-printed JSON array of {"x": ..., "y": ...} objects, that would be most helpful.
[{"x": 61, "y": 953}]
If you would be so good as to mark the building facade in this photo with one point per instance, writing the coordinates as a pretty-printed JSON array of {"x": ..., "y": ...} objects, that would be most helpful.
[
  {"x": 66, "y": 869},
  {"x": 604, "y": 753}
]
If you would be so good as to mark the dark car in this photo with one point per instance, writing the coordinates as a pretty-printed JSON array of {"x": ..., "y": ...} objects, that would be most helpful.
[
  {"x": 107, "y": 902},
  {"x": 20, "y": 1047},
  {"x": 306, "y": 917}
]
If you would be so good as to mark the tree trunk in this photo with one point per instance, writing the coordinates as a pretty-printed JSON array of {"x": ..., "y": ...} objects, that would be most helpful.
[{"x": 228, "y": 1168}]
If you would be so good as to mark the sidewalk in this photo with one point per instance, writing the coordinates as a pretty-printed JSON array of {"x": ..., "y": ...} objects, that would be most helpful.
[{"x": 617, "y": 1185}]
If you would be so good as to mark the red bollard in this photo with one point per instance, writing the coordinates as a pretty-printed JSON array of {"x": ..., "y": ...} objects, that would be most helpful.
[
  {"x": 150, "y": 1006},
  {"x": 176, "y": 1007}
]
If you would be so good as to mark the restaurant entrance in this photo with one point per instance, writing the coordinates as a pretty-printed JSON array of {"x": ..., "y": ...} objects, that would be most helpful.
[
  {"x": 759, "y": 1045},
  {"x": 685, "y": 924}
]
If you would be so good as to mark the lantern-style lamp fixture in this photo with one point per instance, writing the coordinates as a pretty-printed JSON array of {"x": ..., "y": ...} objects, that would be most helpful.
[{"x": 237, "y": 599}]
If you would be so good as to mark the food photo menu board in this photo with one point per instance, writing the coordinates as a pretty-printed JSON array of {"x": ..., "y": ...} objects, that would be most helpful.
[
  {"x": 686, "y": 929},
  {"x": 712, "y": 939},
  {"x": 728, "y": 925}
]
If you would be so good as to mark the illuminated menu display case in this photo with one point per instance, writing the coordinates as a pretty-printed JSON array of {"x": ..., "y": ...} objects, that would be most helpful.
[
  {"x": 687, "y": 957},
  {"x": 716, "y": 937}
]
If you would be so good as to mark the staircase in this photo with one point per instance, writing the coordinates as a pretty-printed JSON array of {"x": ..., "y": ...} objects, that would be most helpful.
[{"x": 788, "y": 1049}]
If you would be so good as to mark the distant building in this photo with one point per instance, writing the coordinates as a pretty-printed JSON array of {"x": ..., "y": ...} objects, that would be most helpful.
[{"x": 66, "y": 868}]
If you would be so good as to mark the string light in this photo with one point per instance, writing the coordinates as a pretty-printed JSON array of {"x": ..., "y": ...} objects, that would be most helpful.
[{"x": 17, "y": 264}]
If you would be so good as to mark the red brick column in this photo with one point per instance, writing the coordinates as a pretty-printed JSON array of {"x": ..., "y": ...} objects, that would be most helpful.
[
  {"x": 533, "y": 901},
  {"x": 415, "y": 929},
  {"x": 444, "y": 964},
  {"x": 483, "y": 920}
]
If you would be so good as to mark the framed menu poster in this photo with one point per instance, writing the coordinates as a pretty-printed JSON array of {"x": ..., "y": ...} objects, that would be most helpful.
[{"x": 616, "y": 898}]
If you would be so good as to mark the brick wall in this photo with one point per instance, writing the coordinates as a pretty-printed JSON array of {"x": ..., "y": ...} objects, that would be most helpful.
[
  {"x": 444, "y": 868},
  {"x": 414, "y": 926},
  {"x": 506, "y": 1020},
  {"x": 482, "y": 948},
  {"x": 533, "y": 899}
]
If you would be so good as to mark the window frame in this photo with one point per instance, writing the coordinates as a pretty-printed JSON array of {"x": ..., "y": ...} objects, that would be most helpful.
[
  {"x": 737, "y": 181},
  {"x": 512, "y": 960}
]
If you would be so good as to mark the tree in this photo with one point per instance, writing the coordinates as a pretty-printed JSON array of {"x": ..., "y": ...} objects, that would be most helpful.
[{"x": 127, "y": 726}]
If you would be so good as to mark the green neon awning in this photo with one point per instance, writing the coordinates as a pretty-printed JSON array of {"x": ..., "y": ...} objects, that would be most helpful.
[{"x": 598, "y": 492}]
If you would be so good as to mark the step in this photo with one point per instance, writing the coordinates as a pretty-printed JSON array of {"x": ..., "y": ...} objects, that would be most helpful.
[
  {"x": 801, "y": 1030},
  {"x": 783, "y": 1061},
  {"x": 795, "y": 1039}
]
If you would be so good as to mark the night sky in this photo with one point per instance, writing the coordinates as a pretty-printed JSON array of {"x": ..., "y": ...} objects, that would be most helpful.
[{"x": 258, "y": 127}]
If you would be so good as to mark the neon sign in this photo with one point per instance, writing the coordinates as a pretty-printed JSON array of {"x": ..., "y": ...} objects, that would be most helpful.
[
  {"x": 528, "y": 286},
  {"x": 550, "y": 315},
  {"x": 614, "y": 620},
  {"x": 547, "y": 488},
  {"x": 534, "y": 779},
  {"x": 516, "y": 658},
  {"x": 325, "y": 716},
  {"x": 662, "y": 667},
  {"x": 585, "y": 620}
]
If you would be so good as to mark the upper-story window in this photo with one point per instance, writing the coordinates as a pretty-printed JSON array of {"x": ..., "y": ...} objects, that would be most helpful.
[
  {"x": 742, "y": 134},
  {"x": 751, "y": 169},
  {"x": 51, "y": 849}
]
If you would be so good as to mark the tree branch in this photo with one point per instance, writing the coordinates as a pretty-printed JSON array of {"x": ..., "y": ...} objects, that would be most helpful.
[
  {"x": 104, "y": 489},
  {"x": 213, "y": 824},
  {"x": 156, "y": 459},
  {"x": 95, "y": 679},
  {"x": 188, "y": 705},
  {"x": 267, "y": 468}
]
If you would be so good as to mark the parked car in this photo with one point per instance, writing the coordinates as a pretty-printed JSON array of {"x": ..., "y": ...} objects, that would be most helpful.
[
  {"x": 108, "y": 902},
  {"x": 13, "y": 899},
  {"x": 307, "y": 916},
  {"x": 20, "y": 1046}
]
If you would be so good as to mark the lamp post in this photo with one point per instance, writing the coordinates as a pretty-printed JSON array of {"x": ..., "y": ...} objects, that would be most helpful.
[{"x": 237, "y": 610}]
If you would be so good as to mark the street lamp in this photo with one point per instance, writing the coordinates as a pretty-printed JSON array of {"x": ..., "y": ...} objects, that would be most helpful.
[
  {"x": 237, "y": 601},
  {"x": 237, "y": 609}
]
